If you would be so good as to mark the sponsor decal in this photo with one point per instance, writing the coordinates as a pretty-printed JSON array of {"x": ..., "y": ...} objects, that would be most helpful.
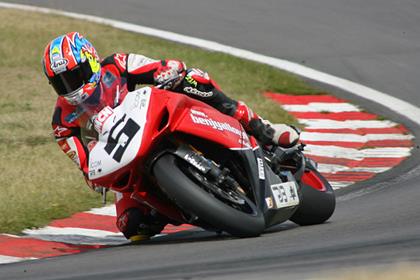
[
  {"x": 96, "y": 164},
  {"x": 72, "y": 117},
  {"x": 197, "y": 92},
  {"x": 140, "y": 101},
  {"x": 261, "y": 174},
  {"x": 92, "y": 173},
  {"x": 269, "y": 202},
  {"x": 214, "y": 124},
  {"x": 95, "y": 167},
  {"x": 101, "y": 117},
  {"x": 58, "y": 63},
  {"x": 60, "y": 131},
  {"x": 72, "y": 155},
  {"x": 191, "y": 81},
  {"x": 194, "y": 162},
  {"x": 64, "y": 146},
  {"x": 198, "y": 117},
  {"x": 198, "y": 113},
  {"x": 108, "y": 79},
  {"x": 136, "y": 102}
]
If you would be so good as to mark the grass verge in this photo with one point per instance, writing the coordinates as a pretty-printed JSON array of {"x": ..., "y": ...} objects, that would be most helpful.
[
  {"x": 399, "y": 271},
  {"x": 38, "y": 183}
]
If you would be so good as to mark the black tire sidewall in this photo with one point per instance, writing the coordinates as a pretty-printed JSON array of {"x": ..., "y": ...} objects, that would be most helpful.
[{"x": 193, "y": 199}]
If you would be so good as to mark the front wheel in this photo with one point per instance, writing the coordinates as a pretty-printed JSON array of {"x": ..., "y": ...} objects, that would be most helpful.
[
  {"x": 219, "y": 211},
  {"x": 318, "y": 199}
]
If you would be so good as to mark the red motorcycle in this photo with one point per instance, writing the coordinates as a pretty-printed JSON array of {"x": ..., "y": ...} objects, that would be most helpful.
[{"x": 195, "y": 165}]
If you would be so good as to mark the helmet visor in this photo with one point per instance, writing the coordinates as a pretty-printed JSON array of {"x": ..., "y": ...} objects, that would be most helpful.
[{"x": 72, "y": 80}]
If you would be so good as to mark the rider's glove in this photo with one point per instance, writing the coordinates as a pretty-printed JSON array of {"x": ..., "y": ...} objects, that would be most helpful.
[
  {"x": 274, "y": 134},
  {"x": 170, "y": 75},
  {"x": 284, "y": 135}
]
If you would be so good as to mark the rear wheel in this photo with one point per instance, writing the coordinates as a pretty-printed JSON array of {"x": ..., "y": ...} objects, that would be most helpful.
[
  {"x": 318, "y": 199},
  {"x": 192, "y": 191}
]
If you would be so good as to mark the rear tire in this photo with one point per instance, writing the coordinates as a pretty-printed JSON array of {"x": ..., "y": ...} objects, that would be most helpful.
[
  {"x": 195, "y": 200},
  {"x": 317, "y": 205}
]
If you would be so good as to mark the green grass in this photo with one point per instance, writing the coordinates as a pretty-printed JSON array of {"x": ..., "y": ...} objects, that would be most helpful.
[
  {"x": 38, "y": 182},
  {"x": 392, "y": 271}
]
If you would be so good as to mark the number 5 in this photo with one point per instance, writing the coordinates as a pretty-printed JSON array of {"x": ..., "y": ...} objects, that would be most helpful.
[{"x": 129, "y": 129}]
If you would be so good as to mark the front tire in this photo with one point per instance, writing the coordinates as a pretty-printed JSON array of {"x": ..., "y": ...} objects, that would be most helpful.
[{"x": 195, "y": 200}]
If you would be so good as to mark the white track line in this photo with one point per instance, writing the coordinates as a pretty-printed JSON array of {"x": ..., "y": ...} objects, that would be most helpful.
[
  {"x": 9, "y": 259},
  {"x": 338, "y": 185},
  {"x": 397, "y": 105},
  {"x": 352, "y": 124},
  {"x": 105, "y": 211},
  {"x": 48, "y": 230},
  {"x": 355, "y": 154},
  {"x": 348, "y": 137},
  {"x": 322, "y": 107},
  {"x": 334, "y": 168}
]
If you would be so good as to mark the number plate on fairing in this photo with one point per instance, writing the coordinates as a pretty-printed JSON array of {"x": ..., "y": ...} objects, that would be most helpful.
[
  {"x": 285, "y": 195},
  {"x": 120, "y": 134}
]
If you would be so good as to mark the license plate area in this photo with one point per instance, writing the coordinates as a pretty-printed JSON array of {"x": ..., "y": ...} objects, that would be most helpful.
[{"x": 284, "y": 195}]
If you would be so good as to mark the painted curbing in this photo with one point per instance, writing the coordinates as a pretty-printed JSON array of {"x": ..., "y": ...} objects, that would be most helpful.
[{"x": 348, "y": 151}]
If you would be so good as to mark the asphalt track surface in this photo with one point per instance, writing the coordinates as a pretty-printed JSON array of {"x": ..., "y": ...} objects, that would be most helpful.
[{"x": 376, "y": 223}]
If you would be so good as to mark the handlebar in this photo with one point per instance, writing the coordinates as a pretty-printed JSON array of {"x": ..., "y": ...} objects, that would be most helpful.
[
  {"x": 277, "y": 156},
  {"x": 169, "y": 83}
]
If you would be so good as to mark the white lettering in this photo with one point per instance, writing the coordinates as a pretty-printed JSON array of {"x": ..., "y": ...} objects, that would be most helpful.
[
  {"x": 199, "y": 113},
  {"x": 216, "y": 125},
  {"x": 261, "y": 173},
  {"x": 195, "y": 91},
  {"x": 59, "y": 64},
  {"x": 192, "y": 160},
  {"x": 105, "y": 113},
  {"x": 102, "y": 116}
]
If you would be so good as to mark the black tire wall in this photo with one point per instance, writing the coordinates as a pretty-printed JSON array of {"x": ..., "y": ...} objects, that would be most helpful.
[{"x": 191, "y": 198}]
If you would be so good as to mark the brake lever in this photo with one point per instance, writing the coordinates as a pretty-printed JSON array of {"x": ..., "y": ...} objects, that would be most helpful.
[{"x": 168, "y": 82}]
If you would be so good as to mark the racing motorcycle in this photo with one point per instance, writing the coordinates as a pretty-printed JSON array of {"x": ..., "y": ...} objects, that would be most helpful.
[{"x": 193, "y": 164}]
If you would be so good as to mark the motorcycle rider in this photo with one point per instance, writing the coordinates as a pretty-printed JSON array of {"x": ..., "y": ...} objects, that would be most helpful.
[{"x": 76, "y": 73}]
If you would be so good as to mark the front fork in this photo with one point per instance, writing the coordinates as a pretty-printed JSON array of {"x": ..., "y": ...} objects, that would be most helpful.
[{"x": 205, "y": 166}]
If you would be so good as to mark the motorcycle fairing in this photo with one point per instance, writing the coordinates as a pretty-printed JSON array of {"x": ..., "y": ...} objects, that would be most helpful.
[
  {"x": 120, "y": 134},
  {"x": 262, "y": 183},
  {"x": 129, "y": 131},
  {"x": 275, "y": 212},
  {"x": 212, "y": 125}
]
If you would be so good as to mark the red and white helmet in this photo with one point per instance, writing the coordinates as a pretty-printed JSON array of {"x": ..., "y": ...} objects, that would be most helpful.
[{"x": 72, "y": 67}]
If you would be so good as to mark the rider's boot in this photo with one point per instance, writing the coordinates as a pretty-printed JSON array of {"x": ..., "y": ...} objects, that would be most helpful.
[
  {"x": 266, "y": 133},
  {"x": 138, "y": 227}
]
